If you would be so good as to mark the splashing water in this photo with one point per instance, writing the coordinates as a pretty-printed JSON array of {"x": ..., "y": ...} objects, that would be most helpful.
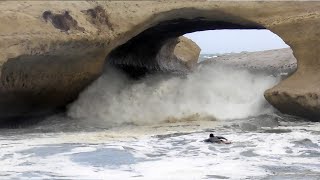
[
  {"x": 264, "y": 146},
  {"x": 211, "y": 91}
]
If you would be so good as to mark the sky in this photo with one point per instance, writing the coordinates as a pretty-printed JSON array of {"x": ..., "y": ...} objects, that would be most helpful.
[{"x": 227, "y": 41}]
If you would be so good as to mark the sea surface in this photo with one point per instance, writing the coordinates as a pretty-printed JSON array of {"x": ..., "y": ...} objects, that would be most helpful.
[{"x": 154, "y": 129}]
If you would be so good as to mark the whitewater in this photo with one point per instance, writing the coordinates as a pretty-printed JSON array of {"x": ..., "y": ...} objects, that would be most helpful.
[{"x": 154, "y": 127}]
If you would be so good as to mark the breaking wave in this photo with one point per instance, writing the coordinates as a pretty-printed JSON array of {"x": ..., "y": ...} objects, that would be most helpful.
[{"x": 210, "y": 92}]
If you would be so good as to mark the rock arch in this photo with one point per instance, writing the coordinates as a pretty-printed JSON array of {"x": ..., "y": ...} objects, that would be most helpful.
[
  {"x": 141, "y": 51},
  {"x": 296, "y": 95},
  {"x": 76, "y": 58}
]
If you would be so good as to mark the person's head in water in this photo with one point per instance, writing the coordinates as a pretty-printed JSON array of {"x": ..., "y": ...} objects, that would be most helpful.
[{"x": 211, "y": 135}]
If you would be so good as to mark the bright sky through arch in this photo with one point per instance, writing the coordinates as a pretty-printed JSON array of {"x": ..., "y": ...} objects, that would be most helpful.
[{"x": 227, "y": 41}]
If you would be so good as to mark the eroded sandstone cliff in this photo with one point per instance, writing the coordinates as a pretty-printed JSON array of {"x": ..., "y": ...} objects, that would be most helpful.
[{"x": 51, "y": 50}]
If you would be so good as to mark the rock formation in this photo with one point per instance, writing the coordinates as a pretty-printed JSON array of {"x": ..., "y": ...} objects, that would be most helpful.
[
  {"x": 179, "y": 54},
  {"x": 51, "y": 50},
  {"x": 279, "y": 62}
]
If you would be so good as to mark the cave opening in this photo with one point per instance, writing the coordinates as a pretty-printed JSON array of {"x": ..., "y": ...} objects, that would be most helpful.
[{"x": 138, "y": 55}]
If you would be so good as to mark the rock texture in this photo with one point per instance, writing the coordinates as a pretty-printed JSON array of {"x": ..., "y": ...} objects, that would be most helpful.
[
  {"x": 175, "y": 55},
  {"x": 180, "y": 54},
  {"x": 51, "y": 50},
  {"x": 279, "y": 62}
]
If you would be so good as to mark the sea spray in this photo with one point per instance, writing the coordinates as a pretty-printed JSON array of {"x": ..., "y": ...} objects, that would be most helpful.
[{"x": 211, "y": 91}]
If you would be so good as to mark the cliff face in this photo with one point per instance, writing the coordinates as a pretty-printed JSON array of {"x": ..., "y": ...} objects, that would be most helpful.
[{"x": 51, "y": 50}]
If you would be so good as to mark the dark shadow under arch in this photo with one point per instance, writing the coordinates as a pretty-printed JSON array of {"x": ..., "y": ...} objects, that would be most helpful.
[{"x": 137, "y": 56}]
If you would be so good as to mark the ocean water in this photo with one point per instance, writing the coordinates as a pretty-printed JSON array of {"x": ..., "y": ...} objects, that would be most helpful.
[
  {"x": 154, "y": 129},
  {"x": 203, "y": 57}
]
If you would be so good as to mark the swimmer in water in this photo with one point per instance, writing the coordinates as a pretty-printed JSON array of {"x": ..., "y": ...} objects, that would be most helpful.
[{"x": 217, "y": 139}]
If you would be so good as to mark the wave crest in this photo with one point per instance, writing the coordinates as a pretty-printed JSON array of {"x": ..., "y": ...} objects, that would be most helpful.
[{"x": 214, "y": 91}]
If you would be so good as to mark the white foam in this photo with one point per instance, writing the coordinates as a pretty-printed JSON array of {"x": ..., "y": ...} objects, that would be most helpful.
[
  {"x": 211, "y": 91},
  {"x": 169, "y": 157}
]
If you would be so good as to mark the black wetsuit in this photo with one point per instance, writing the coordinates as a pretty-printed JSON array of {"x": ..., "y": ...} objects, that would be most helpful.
[{"x": 215, "y": 139}]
